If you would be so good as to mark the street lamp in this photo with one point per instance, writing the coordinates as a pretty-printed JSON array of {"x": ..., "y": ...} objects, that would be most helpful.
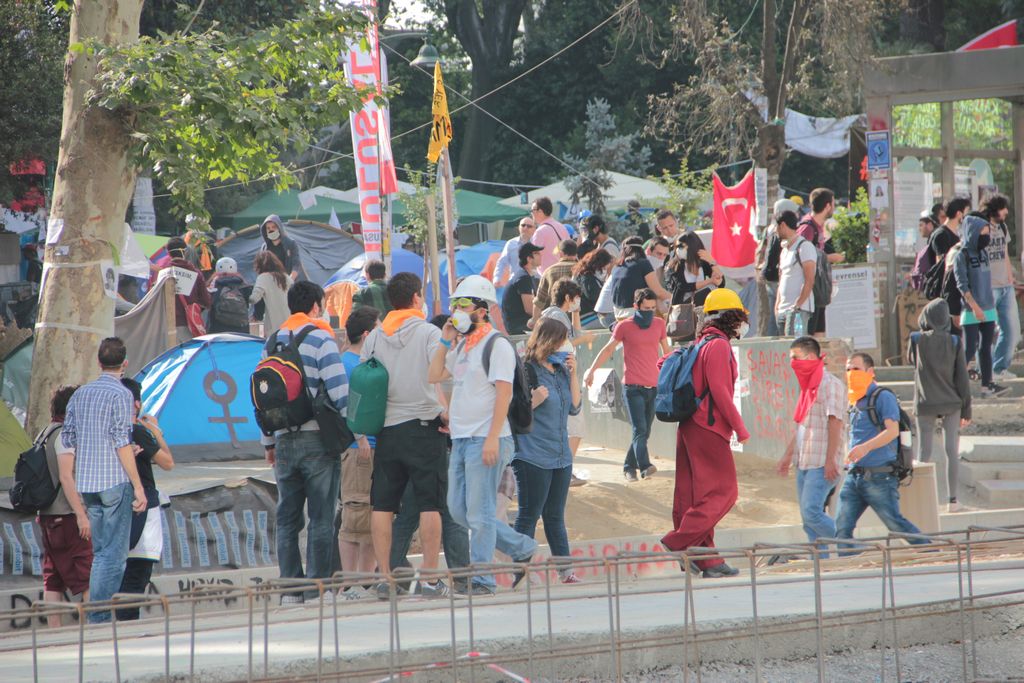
[{"x": 427, "y": 57}]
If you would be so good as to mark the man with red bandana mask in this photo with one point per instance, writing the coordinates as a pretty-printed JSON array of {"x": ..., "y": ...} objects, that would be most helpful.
[{"x": 816, "y": 444}]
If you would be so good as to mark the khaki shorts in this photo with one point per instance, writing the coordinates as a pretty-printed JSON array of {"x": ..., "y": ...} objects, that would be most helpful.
[
  {"x": 576, "y": 425},
  {"x": 355, "y": 497}
]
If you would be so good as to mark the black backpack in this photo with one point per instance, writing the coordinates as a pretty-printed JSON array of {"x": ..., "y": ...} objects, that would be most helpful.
[
  {"x": 230, "y": 310},
  {"x": 822, "y": 289},
  {"x": 520, "y": 410},
  {"x": 33, "y": 488},
  {"x": 280, "y": 395},
  {"x": 904, "y": 466}
]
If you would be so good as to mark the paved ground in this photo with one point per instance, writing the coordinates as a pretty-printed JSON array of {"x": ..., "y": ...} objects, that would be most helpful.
[{"x": 578, "y": 614}]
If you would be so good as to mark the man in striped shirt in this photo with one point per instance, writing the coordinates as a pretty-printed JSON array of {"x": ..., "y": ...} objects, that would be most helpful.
[
  {"x": 308, "y": 471},
  {"x": 98, "y": 427}
]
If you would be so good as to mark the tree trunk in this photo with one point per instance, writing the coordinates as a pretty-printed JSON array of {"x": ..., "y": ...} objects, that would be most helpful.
[
  {"x": 770, "y": 153},
  {"x": 474, "y": 157},
  {"x": 92, "y": 190}
]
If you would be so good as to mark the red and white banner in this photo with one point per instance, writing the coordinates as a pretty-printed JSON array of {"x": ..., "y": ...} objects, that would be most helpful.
[
  {"x": 371, "y": 142},
  {"x": 1004, "y": 35},
  {"x": 732, "y": 243}
]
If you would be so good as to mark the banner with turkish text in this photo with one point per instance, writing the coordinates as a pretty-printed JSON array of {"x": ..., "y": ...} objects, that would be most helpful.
[
  {"x": 441, "y": 131},
  {"x": 732, "y": 243}
]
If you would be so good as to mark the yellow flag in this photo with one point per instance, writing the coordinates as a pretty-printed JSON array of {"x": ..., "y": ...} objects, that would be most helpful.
[{"x": 441, "y": 131}]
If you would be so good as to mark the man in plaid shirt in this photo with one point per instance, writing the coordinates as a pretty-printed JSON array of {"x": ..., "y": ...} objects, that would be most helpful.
[
  {"x": 819, "y": 419},
  {"x": 98, "y": 427}
]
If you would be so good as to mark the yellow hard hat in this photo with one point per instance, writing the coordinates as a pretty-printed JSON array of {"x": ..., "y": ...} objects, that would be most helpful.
[
  {"x": 798, "y": 199},
  {"x": 722, "y": 299}
]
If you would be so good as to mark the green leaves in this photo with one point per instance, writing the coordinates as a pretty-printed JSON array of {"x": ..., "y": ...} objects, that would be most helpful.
[{"x": 213, "y": 107}]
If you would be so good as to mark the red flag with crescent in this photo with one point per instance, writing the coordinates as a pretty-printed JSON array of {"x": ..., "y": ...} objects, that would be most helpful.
[{"x": 732, "y": 243}]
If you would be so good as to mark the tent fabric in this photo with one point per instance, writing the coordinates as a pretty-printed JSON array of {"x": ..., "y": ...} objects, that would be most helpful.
[
  {"x": 323, "y": 249},
  {"x": 199, "y": 391},
  {"x": 338, "y": 300},
  {"x": 624, "y": 188},
  {"x": 816, "y": 136},
  {"x": 13, "y": 441},
  {"x": 472, "y": 207},
  {"x": 148, "y": 329},
  {"x": 150, "y": 244},
  {"x": 402, "y": 261},
  {"x": 472, "y": 260},
  {"x": 17, "y": 370}
]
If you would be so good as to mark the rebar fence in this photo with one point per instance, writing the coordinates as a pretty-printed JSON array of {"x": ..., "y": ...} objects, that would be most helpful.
[{"x": 887, "y": 593}]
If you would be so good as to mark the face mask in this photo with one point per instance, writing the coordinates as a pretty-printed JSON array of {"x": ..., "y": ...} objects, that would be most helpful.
[
  {"x": 681, "y": 253},
  {"x": 742, "y": 330},
  {"x": 575, "y": 305},
  {"x": 983, "y": 241},
  {"x": 858, "y": 382},
  {"x": 643, "y": 319},
  {"x": 273, "y": 235},
  {"x": 461, "y": 320},
  {"x": 655, "y": 262},
  {"x": 558, "y": 357}
]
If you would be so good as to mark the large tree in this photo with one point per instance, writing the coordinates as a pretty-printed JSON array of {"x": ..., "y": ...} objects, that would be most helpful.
[{"x": 195, "y": 108}]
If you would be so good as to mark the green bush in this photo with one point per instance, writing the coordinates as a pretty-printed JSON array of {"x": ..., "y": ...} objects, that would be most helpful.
[{"x": 850, "y": 236}]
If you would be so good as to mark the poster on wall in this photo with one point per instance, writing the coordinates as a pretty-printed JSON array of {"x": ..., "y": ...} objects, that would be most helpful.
[
  {"x": 851, "y": 315},
  {"x": 911, "y": 197}
]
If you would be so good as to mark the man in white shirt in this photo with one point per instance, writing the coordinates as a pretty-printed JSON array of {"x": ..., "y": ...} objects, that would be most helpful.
[
  {"x": 509, "y": 259},
  {"x": 794, "y": 302}
]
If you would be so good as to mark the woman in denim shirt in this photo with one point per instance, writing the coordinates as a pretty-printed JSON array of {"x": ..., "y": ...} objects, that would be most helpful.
[{"x": 543, "y": 461}]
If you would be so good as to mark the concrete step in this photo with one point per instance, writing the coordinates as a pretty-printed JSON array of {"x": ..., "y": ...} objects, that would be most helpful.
[
  {"x": 904, "y": 373},
  {"x": 1001, "y": 492},
  {"x": 992, "y": 449},
  {"x": 973, "y": 472},
  {"x": 904, "y": 389}
]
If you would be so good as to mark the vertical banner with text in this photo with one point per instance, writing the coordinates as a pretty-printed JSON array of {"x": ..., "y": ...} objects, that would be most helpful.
[{"x": 375, "y": 171}]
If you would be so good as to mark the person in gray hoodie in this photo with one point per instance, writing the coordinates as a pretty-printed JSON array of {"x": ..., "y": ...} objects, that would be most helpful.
[
  {"x": 411, "y": 449},
  {"x": 942, "y": 390},
  {"x": 280, "y": 245},
  {"x": 974, "y": 281}
]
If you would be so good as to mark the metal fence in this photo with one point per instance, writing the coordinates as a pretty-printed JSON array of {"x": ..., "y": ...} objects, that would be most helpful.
[{"x": 535, "y": 651}]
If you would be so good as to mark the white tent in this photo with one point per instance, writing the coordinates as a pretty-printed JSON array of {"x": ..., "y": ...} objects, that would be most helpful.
[{"x": 624, "y": 188}]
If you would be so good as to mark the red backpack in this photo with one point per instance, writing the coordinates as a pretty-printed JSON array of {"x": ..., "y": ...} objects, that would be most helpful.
[{"x": 280, "y": 396}]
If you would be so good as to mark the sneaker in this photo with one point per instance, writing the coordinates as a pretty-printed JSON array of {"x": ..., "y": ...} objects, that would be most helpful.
[
  {"x": 571, "y": 578},
  {"x": 993, "y": 390},
  {"x": 576, "y": 481},
  {"x": 356, "y": 593},
  {"x": 438, "y": 589},
  {"x": 719, "y": 571},
  {"x": 519, "y": 574},
  {"x": 954, "y": 506},
  {"x": 973, "y": 374},
  {"x": 630, "y": 475},
  {"x": 383, "y": 590},
  {"x": 329, "y": 597},
  {"x": 649, "y": 472},
  {"x": 476, "y": 590},
  {"x": 1004, "y": 375},
  {"x": 289, "y": 599}
]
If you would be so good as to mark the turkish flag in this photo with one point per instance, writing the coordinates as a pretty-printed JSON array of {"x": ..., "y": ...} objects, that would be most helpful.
[{"x": 732, "y": 244}]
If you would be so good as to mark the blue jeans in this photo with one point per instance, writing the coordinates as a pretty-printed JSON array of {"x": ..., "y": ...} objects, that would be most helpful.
[
  {"x": 472, "y": 501},
  {"x": 640, "y": 406},
  {"x": 811, "y": 490},
  {"x": 880, "y": 492},
  {"x": 542, "y": 493},
  {"x": 771, "y": 324},
  {"x": 1008, "y": 321},
  {"x": 110, "y": 516},
  {"x": 454, "y": 537},
  {"x": 307, "y": 477}
]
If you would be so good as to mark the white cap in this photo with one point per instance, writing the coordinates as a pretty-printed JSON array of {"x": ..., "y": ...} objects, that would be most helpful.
[
  {"x": 226, "y": 264},
  {"x": 785, "y": 205},
  {"x": 476, "y": 287}
]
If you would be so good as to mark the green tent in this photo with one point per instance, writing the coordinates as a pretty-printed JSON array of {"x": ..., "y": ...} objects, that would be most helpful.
[
  {"x": 13, "y": 441},
  {"x": 473, "y": 207},
  {"x": 15, "y": 371}
]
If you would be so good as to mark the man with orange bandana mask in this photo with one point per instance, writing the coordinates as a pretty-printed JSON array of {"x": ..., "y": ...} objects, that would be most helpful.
[{"x": 871, "y": 480}]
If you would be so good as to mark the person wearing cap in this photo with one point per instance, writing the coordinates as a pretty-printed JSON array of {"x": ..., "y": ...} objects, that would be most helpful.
[
  {"x": 229, "y": 307},
  {"x": 482, "y": 445},
  {"x": 280, "y": 245},
  {"x": 925, "y": 257},
  {"x": 594, "y": 231},
  {"x": 767, "y": 267},
  {"x": 705, "y": 486},
  {"x": 507, "y": 265},
  {"x": 517, "y": 301}
]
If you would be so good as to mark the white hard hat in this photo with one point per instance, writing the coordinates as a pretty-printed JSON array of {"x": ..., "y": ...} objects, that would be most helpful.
[
  {"x": 785, "y": 205},
  {"x": 476, "y": 287},
  {"x": 226, "y": 264}
]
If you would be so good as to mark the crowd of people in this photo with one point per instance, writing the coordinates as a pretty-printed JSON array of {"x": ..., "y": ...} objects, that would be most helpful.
[{"x": 454, "y": 446}]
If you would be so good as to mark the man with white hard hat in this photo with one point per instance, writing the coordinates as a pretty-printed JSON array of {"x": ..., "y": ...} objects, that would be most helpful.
[
  {"x": 481, "y": 364},
  {"x": 767, "y": 265}
]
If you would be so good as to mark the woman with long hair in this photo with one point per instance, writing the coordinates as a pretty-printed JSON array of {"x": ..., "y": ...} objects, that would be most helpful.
[
  {"x": 633, "y": 272},
  {"x": 271, "y": 287},
  {"x": 590, "y": 274},
  {"x": 543, "y": 461},
  {"x": 705, "y": 487},
  {"x": 690, "y": 274}
]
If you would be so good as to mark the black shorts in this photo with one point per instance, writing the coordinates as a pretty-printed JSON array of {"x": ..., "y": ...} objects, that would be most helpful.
[
  {"x": 413, "y": 451},
  {"x": 817, "y": 322}
]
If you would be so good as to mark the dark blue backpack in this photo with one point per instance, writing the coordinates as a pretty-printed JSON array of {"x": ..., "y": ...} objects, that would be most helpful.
[{"x": 677, "y": 400}]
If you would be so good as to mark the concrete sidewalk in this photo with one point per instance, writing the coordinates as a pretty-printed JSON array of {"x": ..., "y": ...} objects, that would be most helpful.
[{"x": 580, "y": 614}]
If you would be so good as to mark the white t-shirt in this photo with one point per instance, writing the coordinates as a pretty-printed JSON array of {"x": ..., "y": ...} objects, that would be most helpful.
[
  {"x": 473, "y": 393},
  {"x": 791, "y": 275}
]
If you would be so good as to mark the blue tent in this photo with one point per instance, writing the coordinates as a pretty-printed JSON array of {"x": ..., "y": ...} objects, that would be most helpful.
[
  {"x": 199, "y": 392},
  {"x": 471, "y": 260},
  {"x": 402, "y": 261}
]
